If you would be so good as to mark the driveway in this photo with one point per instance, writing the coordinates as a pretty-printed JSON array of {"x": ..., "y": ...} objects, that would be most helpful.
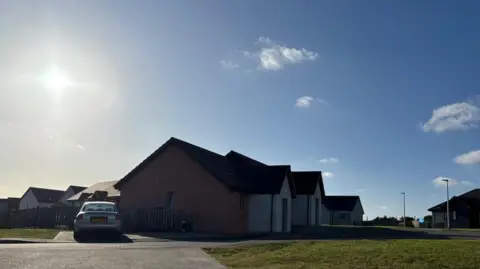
[{"x": 104, "y": 256}]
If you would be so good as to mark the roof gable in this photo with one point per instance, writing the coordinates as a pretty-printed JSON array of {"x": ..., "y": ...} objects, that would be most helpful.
[
  {"x": 341, "y": 203},
  {"x": 470, "y": 196},
  {"x": 240, "y": 159},
  {"x": 238, "y": 172},
  {"x": 306, "y": 182},
  {"x": 46, "y": 195},
  {"x": 76, "y": 189}
]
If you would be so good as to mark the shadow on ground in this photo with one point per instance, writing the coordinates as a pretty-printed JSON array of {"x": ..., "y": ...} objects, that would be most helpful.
[
  {"x": 102, "y": 237},
  {"x": 320, "y": 233}
]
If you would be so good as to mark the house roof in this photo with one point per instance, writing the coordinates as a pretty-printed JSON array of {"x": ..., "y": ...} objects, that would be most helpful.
[
  {"x": 100, "y": 186},
  {"x": 76, "y": 189},
  {"x": 236, "y": 171},
  {"x": 340, "y": 203},
  {"x": 472, "y": 196},
  {"x": 306, "y": 182},
  {"x": 241, "y": 159},
  {"x": 45, "y": 195}
]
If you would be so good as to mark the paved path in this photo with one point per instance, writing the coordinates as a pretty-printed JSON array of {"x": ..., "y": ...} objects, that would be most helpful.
[{"x": 105, "y": 256}]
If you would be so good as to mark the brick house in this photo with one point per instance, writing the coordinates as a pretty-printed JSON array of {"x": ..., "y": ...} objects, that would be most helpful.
[
  {"x": 308, "y": 203},
  {"x": 229, "y": 193}
]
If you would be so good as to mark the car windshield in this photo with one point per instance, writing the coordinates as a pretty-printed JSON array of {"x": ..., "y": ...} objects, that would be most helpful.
[{"x": 99, "y": 207}]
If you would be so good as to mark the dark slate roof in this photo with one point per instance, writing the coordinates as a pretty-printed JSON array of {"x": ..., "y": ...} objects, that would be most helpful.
[
  {"x": 235, "y": 171},
  {"x": 46, "y": 195},
  {"x": 340, "y": 203},
  {"x": 306, "y": 182},
  {"x": 471, "y": 197},
  {"x": 240, "y": 159},
  {"x": 76, "y": 189}
]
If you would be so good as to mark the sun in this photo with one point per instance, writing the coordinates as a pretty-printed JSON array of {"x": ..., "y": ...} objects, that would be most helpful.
[{"x": 55, "y": 80}]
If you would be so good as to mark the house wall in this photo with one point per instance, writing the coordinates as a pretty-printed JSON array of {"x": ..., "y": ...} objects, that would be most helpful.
[
  {"x": 259, "y": 213},
  {"x": 457, "y": 220},
  {"x": 300, "y": 209},
  {"x": 318, "y": 194},
  {"x": 3, "y": 206},
  {"x": 216, "y": 208},
  {"x": 325, "y": 217},
  {"x": 28, "y": 201},
  {"x": 356, "y": 216},
  {"x": 278, "y": 208}
]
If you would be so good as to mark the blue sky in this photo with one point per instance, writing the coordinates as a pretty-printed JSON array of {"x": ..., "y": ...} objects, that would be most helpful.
[{"x": 383, "y": 96}]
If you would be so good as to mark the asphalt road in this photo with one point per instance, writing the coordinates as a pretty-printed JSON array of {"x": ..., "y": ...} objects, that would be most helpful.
[{"x": 106, "y": 256}]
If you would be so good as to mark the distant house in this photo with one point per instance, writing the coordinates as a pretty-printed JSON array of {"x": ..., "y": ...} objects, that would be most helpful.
[
  {"x": 227, "y": 194},
  {"x": 464, "y": 211},
  {"x": 7, "y": 205},
  {"x": 342, "y": 210},
  {"x": 39, "y": 197},
  {"x": 3, "y": 206},
  {"x": 308, "y": 203},
  {"x": 71, "y": 191},
  {"x": 98, "y": 191}
]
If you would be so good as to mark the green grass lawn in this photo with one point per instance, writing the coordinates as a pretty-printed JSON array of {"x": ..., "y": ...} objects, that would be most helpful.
[
  {"x": 28, "y": 233},
  {"x": 354, "y": 254}
]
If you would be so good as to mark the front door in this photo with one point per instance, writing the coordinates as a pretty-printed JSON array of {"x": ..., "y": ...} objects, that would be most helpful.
[{"x": 284, "y": 214}]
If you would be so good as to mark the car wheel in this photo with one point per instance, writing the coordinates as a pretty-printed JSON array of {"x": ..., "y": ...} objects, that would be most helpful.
[{"x": 76, "y": 235}]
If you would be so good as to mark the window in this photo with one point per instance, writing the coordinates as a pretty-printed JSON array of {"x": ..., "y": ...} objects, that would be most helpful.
[
  {"x": 454, "y": 215},
  {"x": 242, "y": 203},
  {"x": 342, "y": 215},
  {"x": 169, "y": 203},
  {"x": 102, "y": 207}
]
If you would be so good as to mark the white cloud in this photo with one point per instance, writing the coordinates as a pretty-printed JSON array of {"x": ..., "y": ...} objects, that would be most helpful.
[
  {"x": 228, "y": 64},
  {"x": 472, "y": 157},
  {"x": 466, "y": 183},
  {"x": 329, "y": 160},
  {"x": 327, "y": 174},
  {"x": 360, "y": 190},
  {"x": 80, "y": 147},
  {"x": 273, "y": 56},
  {"x": 458, "y": 116},
  {"x": 438, "y": 182},
  {"x": 304, "y": 102},
  {"x": 307, "y": 101},
  {"x": 383, "y": 207}
]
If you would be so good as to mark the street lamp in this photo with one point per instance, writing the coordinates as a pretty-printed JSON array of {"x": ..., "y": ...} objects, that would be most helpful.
[
  {"x": 448, "y": 205},
  {"x": 404, "y": 218}
]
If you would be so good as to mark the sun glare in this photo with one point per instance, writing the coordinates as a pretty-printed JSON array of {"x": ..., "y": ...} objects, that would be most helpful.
[{"x": 55, "y": 80}]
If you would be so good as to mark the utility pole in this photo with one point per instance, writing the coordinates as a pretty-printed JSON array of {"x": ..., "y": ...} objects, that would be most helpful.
[
  {"x": 404, "y": 217},
  {"x": 448, "y": 205}
]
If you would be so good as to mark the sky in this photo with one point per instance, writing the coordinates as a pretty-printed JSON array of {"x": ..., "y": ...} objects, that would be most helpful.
[{"x": 383, "y": 98}]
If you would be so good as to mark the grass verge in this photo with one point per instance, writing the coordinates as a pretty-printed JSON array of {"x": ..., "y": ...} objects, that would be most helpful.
[
  {"x": 354, "y": 254},
  {"x": 28, "y": 233}
]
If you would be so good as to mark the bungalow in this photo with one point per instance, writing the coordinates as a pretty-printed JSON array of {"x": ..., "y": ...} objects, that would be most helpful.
[
  {"x": 307, "y": 205},
  {"x": 227, "y": 194},
  {"x": 39, "y": 197},
  {"x": 98, "y": 191},
  {"x": 342, "y": 210},
  {"x": 464, "y": 211}
]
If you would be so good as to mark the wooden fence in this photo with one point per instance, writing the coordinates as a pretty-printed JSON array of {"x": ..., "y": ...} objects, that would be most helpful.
[
  {"x": 135, "y": 220},
  {"x": 45, "y": 218},
  {"x": 155, "y": 220}
]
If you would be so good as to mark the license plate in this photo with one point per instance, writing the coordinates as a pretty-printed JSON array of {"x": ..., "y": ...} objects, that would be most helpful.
[{"x": 97, "y": 220}]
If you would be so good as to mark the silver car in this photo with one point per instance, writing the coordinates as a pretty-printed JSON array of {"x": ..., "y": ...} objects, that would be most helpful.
[{"x": 94, "y": 216}]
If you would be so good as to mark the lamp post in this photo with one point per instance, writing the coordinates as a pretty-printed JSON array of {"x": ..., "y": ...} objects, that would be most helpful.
[
  {"x": 448, "y": 205},
  {"x": 404, "y": 218}
]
